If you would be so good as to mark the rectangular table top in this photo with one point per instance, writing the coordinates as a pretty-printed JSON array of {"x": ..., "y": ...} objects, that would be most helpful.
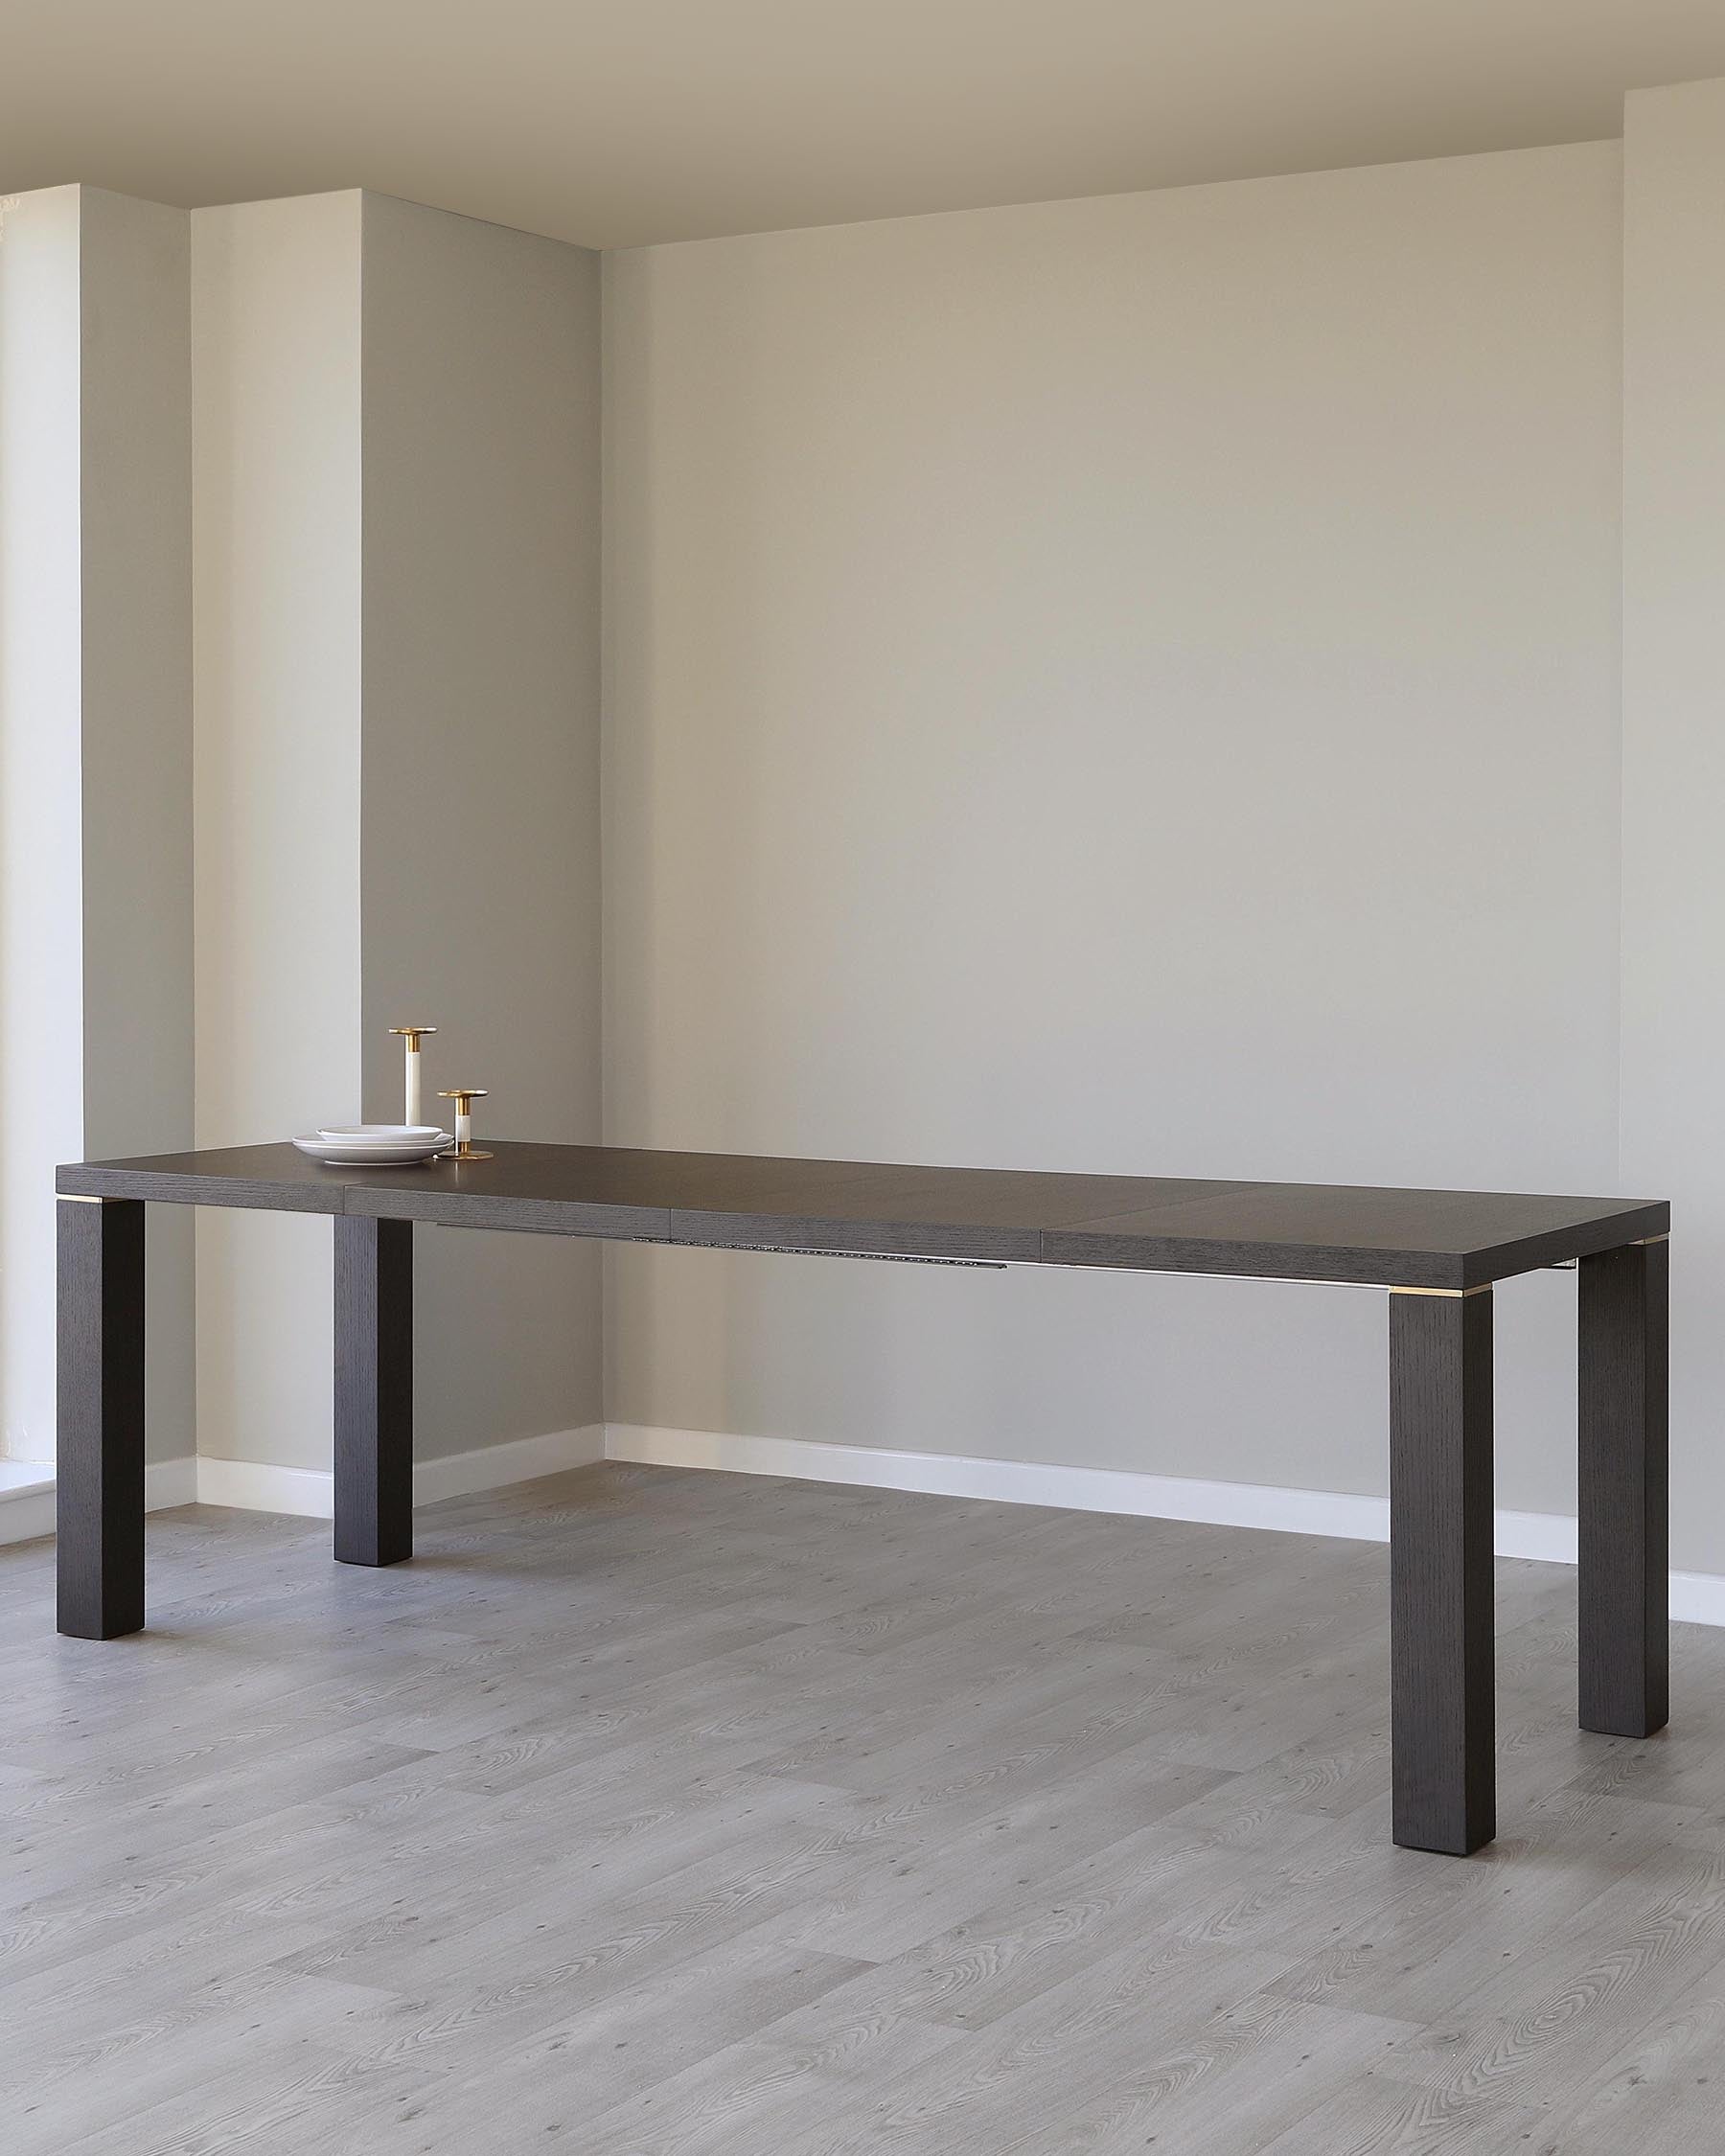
[{"x": 1303, "y": 1231}]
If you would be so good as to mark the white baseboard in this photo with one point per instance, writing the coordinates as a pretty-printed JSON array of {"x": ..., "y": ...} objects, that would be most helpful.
[
  {"x": 1548, "y": 1537},
  {"x": 521, "y": 1460},
  {"x": 27, "y": 1494},
  {"x": 168, "y": 1483},
  {"x": 252, "y": 1486},
  {"x": 27, "y": 1499}
]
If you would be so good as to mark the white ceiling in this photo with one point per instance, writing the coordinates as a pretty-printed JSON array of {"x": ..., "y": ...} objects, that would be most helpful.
[{"x": 615, "y": 121}]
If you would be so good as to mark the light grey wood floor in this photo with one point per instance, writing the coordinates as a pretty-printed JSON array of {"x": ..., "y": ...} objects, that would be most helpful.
[{"x": 653, "y": 1812}]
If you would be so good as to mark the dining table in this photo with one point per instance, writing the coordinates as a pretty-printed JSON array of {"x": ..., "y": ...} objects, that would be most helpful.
[{"x": 1435, "y": 1255}]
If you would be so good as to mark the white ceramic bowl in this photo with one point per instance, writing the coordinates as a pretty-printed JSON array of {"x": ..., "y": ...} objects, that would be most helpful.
[
  {"x": 380, "y": 1134},
  {"x": 350, "y": 1154}
]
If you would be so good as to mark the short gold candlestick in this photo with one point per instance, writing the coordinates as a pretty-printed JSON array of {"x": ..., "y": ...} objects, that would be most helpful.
[
  {"x": 411, "y": 1036},
  {"x": 464, "y": 1097}
]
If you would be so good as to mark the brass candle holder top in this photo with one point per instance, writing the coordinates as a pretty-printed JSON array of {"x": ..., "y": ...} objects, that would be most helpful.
[{"x": 464, "y": 1097}]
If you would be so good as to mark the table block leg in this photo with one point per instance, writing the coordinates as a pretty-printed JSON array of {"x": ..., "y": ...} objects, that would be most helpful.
[
  {"x": 1624, "y": 1509},
  {"x": 374, "y": 1391},
  {"x": 98, "y": 1471},
  {"x": 1442, "y": 1677}
]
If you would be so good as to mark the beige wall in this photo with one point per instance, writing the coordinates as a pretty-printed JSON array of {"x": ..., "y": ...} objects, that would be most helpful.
[
  {"x": 1113, "y": 685},
  {"x": 1674, "y": 749},
  {"x": 276, "y": 336},
  {"x": 95, "y": 757},
  {"x": 136, "y": 663},
  {"x": 479, "y": 804},
  {"x": 41, "y": 848},
  {"x": 397, "y": 783},
  {"x": 1125, "y": 685},
  {"x": 395, "y": 788}
]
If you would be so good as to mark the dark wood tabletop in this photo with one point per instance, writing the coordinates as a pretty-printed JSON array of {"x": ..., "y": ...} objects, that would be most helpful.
[{"x": 1359, "y": 1234}]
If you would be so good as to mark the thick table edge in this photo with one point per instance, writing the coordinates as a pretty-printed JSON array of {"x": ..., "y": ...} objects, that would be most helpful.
[
  {"x": 227, "y": 1193},
  {"x": 1317, "y": 1265},
  {"x": 1646, "y": 1223},
  {"x": 696, "y": 1227}
]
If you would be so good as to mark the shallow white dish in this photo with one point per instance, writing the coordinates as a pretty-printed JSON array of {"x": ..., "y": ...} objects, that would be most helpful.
[
  {"x": 421, "y": 1149},
  {"x": 382, "y": 1134},
  {"x": 357, "y": 1156}
]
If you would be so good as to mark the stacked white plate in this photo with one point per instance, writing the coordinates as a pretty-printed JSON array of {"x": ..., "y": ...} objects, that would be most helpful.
[{"x": 375, "y": 1145}]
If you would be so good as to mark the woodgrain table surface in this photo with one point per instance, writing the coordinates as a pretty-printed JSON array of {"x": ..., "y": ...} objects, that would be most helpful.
[{"x": 1360, "y": 1234}]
